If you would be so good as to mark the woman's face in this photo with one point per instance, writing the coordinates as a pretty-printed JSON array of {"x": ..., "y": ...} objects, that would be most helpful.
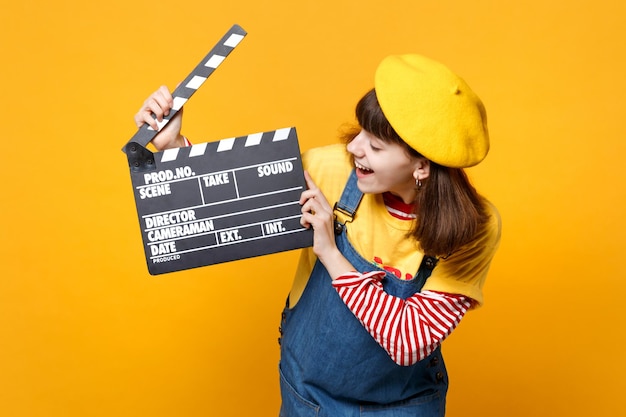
[{"x": 382, "y": 166}]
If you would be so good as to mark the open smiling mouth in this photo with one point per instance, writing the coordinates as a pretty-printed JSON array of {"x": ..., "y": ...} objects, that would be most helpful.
[{"x": 362, "y": 170}]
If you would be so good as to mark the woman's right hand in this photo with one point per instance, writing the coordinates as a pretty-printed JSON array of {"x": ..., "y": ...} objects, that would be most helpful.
[
  {"x": 160, "y": 104},
  {"x": 318, "y": 214}
]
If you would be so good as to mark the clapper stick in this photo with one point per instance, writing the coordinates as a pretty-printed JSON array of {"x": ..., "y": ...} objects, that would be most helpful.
[{"x": 185, "y": 90}]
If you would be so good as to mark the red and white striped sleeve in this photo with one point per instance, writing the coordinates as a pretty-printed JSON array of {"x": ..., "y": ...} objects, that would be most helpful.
[{"x": 409, "y": 330}]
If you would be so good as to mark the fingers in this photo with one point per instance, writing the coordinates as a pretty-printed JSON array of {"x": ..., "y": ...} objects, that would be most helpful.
[
  {"x": 158, "y": 104},
  {"x": 313, "y": 193},
  {"x": 316, "y": 213},
  {"x": 309, "y": 181}
]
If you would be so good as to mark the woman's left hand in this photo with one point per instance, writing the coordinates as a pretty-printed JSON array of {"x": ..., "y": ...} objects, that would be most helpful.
[{"x": 318, "y": 214}]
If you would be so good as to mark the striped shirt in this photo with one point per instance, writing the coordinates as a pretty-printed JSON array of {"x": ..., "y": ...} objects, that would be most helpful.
[
  {"x": 409, "y": 330},
  {"x": 398, "y": 208}
]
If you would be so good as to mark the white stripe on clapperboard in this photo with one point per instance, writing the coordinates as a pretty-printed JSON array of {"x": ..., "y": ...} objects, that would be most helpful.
[{"x": 225, "y": 144}]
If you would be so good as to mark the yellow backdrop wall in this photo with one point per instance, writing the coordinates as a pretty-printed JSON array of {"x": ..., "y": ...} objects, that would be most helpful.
[{"x": 86, "y": 331}]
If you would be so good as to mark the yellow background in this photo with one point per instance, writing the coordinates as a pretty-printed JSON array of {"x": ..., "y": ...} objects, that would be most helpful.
[{"x": 86, "y": 331}]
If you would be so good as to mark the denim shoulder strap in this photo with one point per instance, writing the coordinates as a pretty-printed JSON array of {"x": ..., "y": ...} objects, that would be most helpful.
[
  {"x": 348, "y": 202},
  {"x": 425, "y": 269}
]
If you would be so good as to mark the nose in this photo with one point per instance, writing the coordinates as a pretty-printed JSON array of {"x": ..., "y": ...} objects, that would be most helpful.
[{"x": 355, "y": 147}]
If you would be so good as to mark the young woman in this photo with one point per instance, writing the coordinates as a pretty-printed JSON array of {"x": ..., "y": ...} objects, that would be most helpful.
[{"x": 402, "y": 246}]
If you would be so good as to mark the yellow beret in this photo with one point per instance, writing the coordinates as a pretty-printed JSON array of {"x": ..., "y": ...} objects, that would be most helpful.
[{"x": 433, "y": 110}]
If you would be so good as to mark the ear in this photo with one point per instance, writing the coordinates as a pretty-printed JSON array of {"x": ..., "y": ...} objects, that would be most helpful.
[{"x": 422, "y": 169}]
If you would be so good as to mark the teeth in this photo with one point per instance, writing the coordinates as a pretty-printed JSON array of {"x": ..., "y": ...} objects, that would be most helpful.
[{"x": 361, "y": 167}]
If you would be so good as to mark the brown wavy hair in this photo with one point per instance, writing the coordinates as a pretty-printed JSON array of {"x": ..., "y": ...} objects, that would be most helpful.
[{"x": 450, "y": 212}]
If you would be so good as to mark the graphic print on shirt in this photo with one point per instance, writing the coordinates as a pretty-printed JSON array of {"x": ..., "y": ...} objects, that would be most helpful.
[{"x": 395, "y": 271}]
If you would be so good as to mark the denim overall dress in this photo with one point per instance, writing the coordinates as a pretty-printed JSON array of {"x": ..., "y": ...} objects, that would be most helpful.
[{"x": 332, "y": 367}]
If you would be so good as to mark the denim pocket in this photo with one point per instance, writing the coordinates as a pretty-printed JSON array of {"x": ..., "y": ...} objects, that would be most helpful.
[
  {"x": 293, "y": 404},
  {"x": 431, "y": 404}
]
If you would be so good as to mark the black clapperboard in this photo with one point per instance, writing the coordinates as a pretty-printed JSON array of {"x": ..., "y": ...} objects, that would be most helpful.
[{"x": 219, "y": 201}]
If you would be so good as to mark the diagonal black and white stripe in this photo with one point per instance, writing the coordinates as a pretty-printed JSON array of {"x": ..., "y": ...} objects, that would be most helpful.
[{"x": 194, "y": 80}]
